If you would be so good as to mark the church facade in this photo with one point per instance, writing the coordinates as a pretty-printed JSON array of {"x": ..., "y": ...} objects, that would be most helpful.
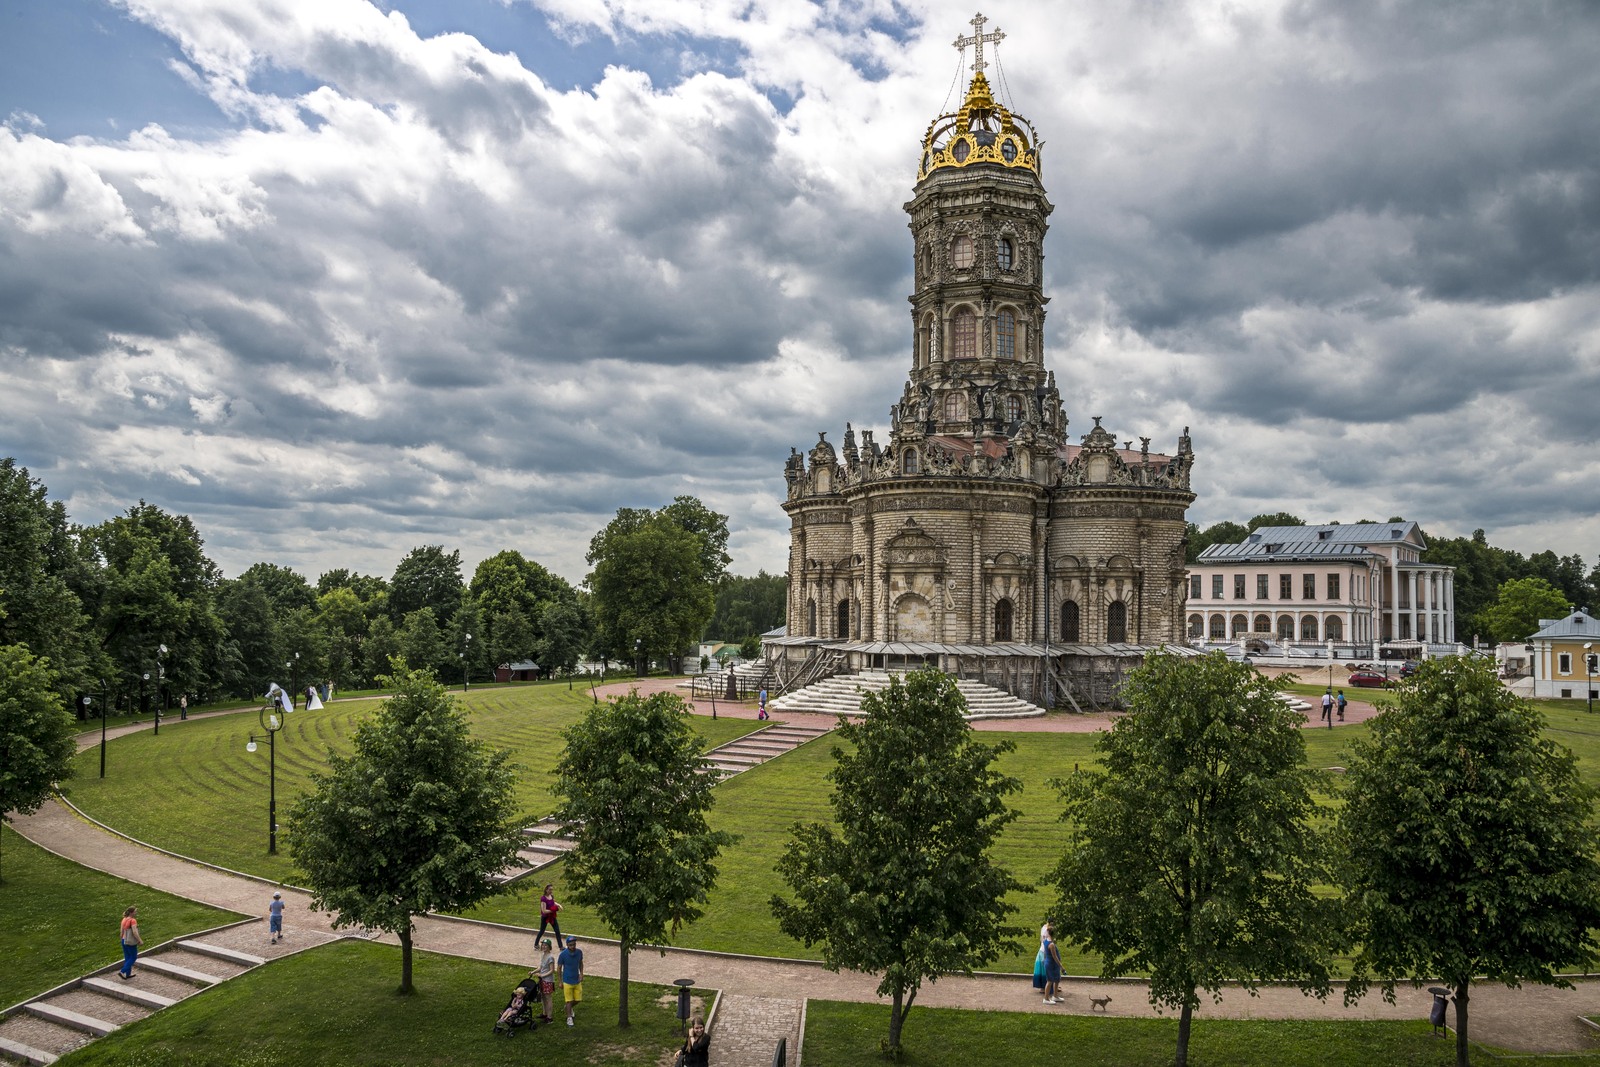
[{"x": 979, "y": 537}]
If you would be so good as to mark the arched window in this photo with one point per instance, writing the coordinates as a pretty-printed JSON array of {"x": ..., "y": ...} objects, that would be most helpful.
[
  {"x": 965, "y": 334},
  {"x": 1069, "y": 622},
  {"x": 927, "y": 264},
  {"x": 1003, "y": 253},
  {"x": 909, "y": 462},
  {"x": 1006, "y": 335},
  {"x": 961, "y": 252},
  {"x": 1117, "y": 622},
  {"x": 1333, "y": 629},
  {"x": 1013, "y": 409},
  {"x": 842, "y": 620},
  {"x": 924, "y": 350},
  {"x": 1197, "y": 626},
  {"x": 811, "y": 618},
  {"x": 1239, "y": 625},
  {"x": 955, "y": 407},
  {"x": 1262, "y": 625},
  {"x": 1308, "y": 628},
  {"x": 1219, "y": 628},
  {"x": 1002, "y": 621},
  {"x": 1285, "y": 627}
]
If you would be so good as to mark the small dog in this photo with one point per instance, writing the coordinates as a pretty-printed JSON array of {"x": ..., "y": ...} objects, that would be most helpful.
[{"x": 1099, "y": 1003}]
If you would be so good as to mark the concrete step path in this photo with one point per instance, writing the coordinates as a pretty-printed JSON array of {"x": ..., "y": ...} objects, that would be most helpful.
[
  {"x": 748, "y": 1029},
  {"x": 545, "y": 847},
  {"x": 841, "y": 694}
]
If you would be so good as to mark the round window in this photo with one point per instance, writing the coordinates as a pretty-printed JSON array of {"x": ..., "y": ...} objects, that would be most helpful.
[
  {"x": 961, "y": 150},
  {"x": 1008, "y": 149}
]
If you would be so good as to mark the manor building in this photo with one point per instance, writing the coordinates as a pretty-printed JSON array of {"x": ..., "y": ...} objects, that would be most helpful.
[{"x": 978, "y": 536}]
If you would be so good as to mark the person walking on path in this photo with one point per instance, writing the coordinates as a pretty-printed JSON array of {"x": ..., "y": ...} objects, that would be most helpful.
[
  {"x": 547, "y": 979},
  {"x": 1052, "y": 968},
  {"x": 571, "y": 963},
  {"x": 1327, "y": 708},
  {"x": 183, "y": 707},
  {"x": 548, "y": 910},
  {"x": 1341, "y": 703},
  {"x": 275, "y": 919},
  {"x": 131, "y": 940}
]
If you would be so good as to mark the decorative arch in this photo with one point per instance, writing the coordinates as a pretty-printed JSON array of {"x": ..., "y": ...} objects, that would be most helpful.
[
  {"x": 842, "y": 619},
  {"x": 913, "y": 618},
  {"x": 1308, "y": 627},
  {"x": 1261, "y": 625},
  {"x": 1197, "y": 626},
  {"x": 1285, "y": 627},
  {"x": 1333, "y": 628},
  {"x": 811, "y": 618},
  {"x": 1240, "y": 626},
  {"x": 1117, "y": 622},
  {"x": 910, "y": 462},
  {"x": 1219, "y": 628}
]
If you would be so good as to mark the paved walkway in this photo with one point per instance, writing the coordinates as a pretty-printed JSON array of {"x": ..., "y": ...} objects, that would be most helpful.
[{"x": 1532, "y": 1019}]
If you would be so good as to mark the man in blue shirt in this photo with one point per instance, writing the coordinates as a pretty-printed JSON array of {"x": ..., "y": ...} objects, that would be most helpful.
[{"x": 571, "y": 963}]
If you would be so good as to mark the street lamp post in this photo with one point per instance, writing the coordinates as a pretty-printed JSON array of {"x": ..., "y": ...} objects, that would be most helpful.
[
  {"x": 1588, "y": 673},
  {"x": 638, "y": 656},
  {"x": 467, "y": 640},
  {"x": 271, "y": 722},
  {"x": 144, "y": 701},
  {"x": 103, "y": 704},
  {"x": 161, "y": 677},
  {"x": 292, "y": 669}
]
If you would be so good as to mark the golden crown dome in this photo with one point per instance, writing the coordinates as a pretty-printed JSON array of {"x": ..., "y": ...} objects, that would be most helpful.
[{"x": 982, "y": 132}]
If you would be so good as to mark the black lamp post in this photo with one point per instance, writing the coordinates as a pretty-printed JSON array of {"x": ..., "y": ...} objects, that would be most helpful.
[
  {"x": 144, "y": 700},
  {"x": 638, "y": 656},
  {"x": 103, "y": 703},
  {"x": 271, "y": 722},
  {"x": 161, "y": 676},
  {"x": 467, "y": 647},
  {"x": 1588, "y": 673}
]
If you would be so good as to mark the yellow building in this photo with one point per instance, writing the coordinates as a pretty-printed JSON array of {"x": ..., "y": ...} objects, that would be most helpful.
[{"x": 1566, "y": 664}]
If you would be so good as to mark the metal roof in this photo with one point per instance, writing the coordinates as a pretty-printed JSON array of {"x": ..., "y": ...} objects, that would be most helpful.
[
  {"x": 1572, "y": 624},
  {"x": 1317, "y": 551}
]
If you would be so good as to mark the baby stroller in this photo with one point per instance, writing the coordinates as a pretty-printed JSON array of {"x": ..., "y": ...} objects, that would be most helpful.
[{"x": 519, "y": 1010}]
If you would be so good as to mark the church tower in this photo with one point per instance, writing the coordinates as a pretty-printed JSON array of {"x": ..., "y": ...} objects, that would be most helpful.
[{"x": 978, "y": 538}]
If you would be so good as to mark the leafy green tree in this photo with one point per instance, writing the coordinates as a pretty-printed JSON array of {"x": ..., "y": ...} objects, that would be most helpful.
[
  {"x": 254, "y": 631},
  {"x": 380, "y": 648},
  {"x": 284, "y": 588},
  {"x": 428, "y": 577},
  {"x": 1191, "y": 853},
  {"x": 342, "y": 618},
  {"x": 422, "y": 642},
  {"x": 1565, "y": 573},
  {"x": 1518, "y": 607},
  {"x": 1275, "y": 518},
  {"x": 649, "y": 584},
  {"x": 563, "y": 628},
  {"x": 39, "y": 606},
  {"x": 1467, "y": 844},
  {"x": 1221, "y": 533},
  {"x": 634, "y": 789},
  {"x": 417, "y": 818},
  {"x": 693, "y": 517},
  {"x": 36, "y": 732},
  {"x": 748, "y": 606},
  {"x": 905, "y": 887}
]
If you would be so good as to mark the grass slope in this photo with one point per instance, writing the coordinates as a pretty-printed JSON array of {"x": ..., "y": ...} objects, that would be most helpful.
[
  {"x": 59, "y": 920},
  {"x": 338, "y": 1005},
  {"x": 843, "y": 1035}
]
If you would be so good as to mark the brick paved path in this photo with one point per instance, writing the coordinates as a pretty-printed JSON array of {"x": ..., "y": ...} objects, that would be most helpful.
[{"x": 748, "y": 1029}]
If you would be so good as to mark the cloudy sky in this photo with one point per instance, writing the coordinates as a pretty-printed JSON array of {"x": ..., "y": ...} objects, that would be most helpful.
[{"x": 338, "y": 277}]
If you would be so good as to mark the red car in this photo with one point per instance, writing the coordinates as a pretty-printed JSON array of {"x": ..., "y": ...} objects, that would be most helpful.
[{"x": 1369, "y": 679}]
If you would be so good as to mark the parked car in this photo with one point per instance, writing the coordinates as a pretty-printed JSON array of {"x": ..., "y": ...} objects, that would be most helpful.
[
  {"x": 1409, "y": 667},
  {"x": 1368, "y": 679}
]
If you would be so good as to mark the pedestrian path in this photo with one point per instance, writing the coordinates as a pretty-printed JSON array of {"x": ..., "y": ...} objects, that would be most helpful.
[
  {"x": 749, "y": 1028},
  {"x": 1532, "y": 1019},
  {"x": 77, "y": 1012},
  {"x": 543, "y": 842}
]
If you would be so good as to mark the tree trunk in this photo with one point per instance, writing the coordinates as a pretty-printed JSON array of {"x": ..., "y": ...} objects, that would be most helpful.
[
  {"x": 1462, "y": 1055},
  {"x": 405, "y": 959},
  {"x": 897, "y": 1020},
  {"x": 622, "y": 976},
  {"x": 1185, "y": 1017}
]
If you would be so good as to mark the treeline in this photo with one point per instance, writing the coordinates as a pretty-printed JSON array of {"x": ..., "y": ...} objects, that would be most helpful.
[
  {"x": 1486, "y": 598},
  {"x": 133, "y": 606}
]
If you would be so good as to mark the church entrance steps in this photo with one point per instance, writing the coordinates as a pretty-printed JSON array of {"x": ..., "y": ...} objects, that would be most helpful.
[
  {"x": 543, "y": 847},
  {"x": 42, "y": 1030},
  {"x": 841, "y": 695}
]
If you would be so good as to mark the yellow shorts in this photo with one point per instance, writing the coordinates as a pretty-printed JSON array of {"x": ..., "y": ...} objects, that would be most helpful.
[{"x": 571, "y": 994}]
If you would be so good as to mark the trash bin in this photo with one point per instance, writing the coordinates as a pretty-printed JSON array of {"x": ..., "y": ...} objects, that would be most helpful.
[{"x": 1438, "y": 1013}]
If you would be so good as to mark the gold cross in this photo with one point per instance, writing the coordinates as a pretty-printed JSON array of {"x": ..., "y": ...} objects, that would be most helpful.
[{"x": 977, "y": 39}]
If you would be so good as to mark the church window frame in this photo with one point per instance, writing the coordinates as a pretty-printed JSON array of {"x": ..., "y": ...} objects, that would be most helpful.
[
  {"x": 964, "y": 334},
  {"x": 911, "y": 463},
  {"x": 961, "y": 252},
  {"x": 1005, "y": 334},
  {"x": 1071, "y": 622},
  {"x": 1004, "y": 618},
  {"x": 955, "y": 407},
  {"x": 811, "y": 618},
  {"x": 1005, "y": 253},
  {"x": 1013, "y": 406},
  {"x": 1117, "y": 622}
]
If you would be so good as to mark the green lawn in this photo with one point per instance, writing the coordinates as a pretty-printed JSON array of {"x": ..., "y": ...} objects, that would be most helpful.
[
  {"x": 842, "y": 1035},
  {"x": 59, "y": 920},
  {"x": 195, "y": 790},
  {"x": 338, "y": 1005}
]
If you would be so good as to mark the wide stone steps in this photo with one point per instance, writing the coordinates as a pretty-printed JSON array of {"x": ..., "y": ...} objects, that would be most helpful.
[
  {"x": 48, "y": 1027},
  {"x": 842, "y": 693},
  {"x": 543, "y": 847}
]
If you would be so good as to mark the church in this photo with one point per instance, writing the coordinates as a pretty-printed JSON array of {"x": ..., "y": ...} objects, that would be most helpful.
[{"x": 979, "y": 537}]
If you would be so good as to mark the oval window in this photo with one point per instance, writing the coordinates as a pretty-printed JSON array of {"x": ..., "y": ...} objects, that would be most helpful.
[
  {"x": 1008, "y": 149},
  {"x": 961, "y": 150}
]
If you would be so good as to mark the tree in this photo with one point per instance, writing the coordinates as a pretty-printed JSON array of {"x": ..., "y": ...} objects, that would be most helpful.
[
  {"x": 422, "y": 642},
  {"x": 1222, "y": 533},
  {"x": 905, "y": 887},
  {"x": 1191, "y": 853},
  {"x": 1275, "y": 518},
  {"x": 748, "y": 606},
  {"x": 635, "y": 789},
  {"x": 1466, "y": 842},
  {"x": 1518, "y": 607},
  {"x": 36, "y": 732},
  {"x": 427, "y": 578},
  {"x": 416, "y": 819},
  {"x": 649, "y": 585},
  {"x": 562, "y": 630}
]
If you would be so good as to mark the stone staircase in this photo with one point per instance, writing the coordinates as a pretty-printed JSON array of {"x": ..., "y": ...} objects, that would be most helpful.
[
  {"x": 542, "y": 845},
  {"x": 42, "y": 1030},
  {"x": 841, "y": 695}
]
